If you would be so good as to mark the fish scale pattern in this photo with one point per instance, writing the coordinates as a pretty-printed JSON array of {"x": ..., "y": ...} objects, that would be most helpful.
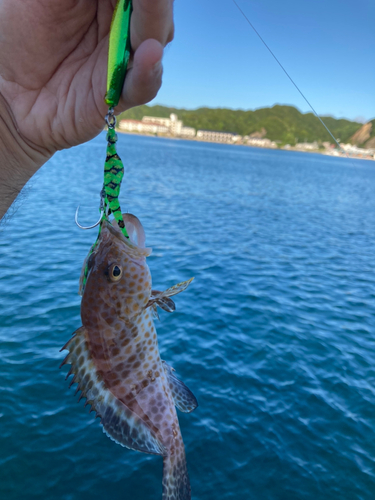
[
  {"x": 119, "y": 422},
  {"x": 115, "y": 356}
]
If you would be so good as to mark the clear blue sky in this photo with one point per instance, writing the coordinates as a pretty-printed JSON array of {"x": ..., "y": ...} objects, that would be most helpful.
[{"x": 327, "y": 46}]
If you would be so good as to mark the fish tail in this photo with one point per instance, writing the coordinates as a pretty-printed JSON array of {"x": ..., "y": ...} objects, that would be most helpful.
[{"x": 176, "y": 484}]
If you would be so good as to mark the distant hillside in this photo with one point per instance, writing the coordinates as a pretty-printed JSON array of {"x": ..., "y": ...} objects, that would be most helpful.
[
  {"x": 281, "y": 123},
  {"x": 365, "y": 136}
]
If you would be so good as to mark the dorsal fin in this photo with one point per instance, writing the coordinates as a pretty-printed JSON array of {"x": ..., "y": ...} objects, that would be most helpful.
[{"x": 119, "y": 422}]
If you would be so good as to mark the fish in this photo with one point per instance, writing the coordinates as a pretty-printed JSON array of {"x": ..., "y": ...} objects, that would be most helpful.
[{"x": 114, "y": 355}]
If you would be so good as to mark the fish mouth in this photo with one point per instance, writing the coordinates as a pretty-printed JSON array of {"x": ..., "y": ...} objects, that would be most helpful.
[{"x": 137, "y": 237}]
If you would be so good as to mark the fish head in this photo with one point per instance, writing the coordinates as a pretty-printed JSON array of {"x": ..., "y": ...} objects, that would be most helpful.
[{"x": 118, "y": 281}]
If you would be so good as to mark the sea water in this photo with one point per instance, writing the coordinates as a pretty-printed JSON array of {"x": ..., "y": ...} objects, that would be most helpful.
[{"x": 275, "y": 337}]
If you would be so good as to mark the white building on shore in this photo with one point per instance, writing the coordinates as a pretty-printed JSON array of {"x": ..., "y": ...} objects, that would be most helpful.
[
  {"x": 173, "y": 124},
  {"x": 188, "y": 132},
  {"x": 156, "y": 125},
  {"x": 259, "y": 142},
  {"x": 141, "y": 127},
  {"x": 307, "y": 146},
  {"x": 215, "y": 136},
  {"x": 355, "y": 151}
]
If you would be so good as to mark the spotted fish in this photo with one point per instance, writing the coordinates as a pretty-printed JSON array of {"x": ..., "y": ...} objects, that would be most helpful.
[{"x": 115, "y": 359}]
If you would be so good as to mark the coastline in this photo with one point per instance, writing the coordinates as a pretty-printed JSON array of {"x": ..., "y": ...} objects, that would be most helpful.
[{"x": 335, "y": 153}]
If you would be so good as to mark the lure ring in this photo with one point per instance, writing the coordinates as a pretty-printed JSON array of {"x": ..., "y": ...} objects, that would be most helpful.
[
  {"x": 110, "y": 118},
  {"x": 88, "y": 227}
]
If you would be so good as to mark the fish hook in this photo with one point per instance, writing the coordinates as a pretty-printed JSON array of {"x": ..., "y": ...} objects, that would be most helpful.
[{"x": 88, "y": 227}]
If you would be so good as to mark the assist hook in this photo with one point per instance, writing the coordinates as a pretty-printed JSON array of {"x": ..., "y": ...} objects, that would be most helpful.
[
  {"x": 88, "y": 227},
  {"x": 101, "y": 208}
]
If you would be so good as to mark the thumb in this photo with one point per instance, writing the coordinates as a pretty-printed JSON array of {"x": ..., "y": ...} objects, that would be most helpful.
[{"x": 143, "y": 79}]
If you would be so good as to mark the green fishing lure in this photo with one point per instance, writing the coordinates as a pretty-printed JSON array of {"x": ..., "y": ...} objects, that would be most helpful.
[
  {"x": 118, "y": 58},
  {"x": 113, "y": 174},
  {"x": 118, "y": 51}
]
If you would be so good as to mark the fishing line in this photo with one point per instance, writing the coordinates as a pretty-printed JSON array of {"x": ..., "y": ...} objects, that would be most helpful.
[{"x": 287, "y": 74}]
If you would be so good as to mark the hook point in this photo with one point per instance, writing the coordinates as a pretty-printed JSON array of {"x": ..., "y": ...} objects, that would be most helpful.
[{"x": 88, "y": 227}]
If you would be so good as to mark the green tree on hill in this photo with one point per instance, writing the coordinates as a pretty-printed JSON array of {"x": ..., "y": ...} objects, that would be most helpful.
[{"x": 284, "y": 124}]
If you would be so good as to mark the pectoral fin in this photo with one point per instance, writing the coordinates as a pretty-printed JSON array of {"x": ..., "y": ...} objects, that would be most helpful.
[
  {"x": 119, "y": 422},
  {"x": 175, "y": 289},
  {"x": 162, "y": 299},
  {"x": 183, "y": 398},
  {"x": 166, "y": 304},
  {"x": 154, "y": 312}
]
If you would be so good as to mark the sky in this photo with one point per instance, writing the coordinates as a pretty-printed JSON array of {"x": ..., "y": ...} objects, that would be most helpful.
[{"x": 327, "y": 46}]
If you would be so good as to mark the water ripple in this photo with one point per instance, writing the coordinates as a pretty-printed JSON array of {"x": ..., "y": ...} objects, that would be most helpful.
[{"x": 276, "y": 335}]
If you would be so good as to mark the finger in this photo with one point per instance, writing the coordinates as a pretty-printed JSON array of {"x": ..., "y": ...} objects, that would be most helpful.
[
  {"x": 143, "y": 80},
  {"x": 152, "y": 19}
]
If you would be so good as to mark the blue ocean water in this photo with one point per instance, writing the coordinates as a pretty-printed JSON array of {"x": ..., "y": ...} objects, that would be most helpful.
[{"x": 276, "y": 335}]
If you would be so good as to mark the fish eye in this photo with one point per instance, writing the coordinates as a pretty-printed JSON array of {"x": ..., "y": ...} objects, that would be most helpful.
[{"x": 114, "y": 272}]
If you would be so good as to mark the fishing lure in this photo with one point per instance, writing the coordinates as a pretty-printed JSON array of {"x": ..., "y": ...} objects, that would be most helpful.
[
  {"x": 118, "y": 52},
  {"x": 114, "y": 356},
  {"x": 118, "y": 58}
]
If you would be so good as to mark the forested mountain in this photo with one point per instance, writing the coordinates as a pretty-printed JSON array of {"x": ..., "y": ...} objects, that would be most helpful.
[{"x": 280, "y": 123}]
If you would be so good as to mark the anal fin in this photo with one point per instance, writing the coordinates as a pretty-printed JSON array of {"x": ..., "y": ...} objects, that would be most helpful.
[
  {"x": 183, "y": 398},
  {"x": 119, "y": 422}
]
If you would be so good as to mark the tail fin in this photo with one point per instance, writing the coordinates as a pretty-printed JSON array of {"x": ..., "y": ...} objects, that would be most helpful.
[{"x": 176, "y": 484}]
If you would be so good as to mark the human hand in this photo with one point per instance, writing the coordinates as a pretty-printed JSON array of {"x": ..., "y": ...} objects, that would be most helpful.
[{"x": 53, "y": 66}]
